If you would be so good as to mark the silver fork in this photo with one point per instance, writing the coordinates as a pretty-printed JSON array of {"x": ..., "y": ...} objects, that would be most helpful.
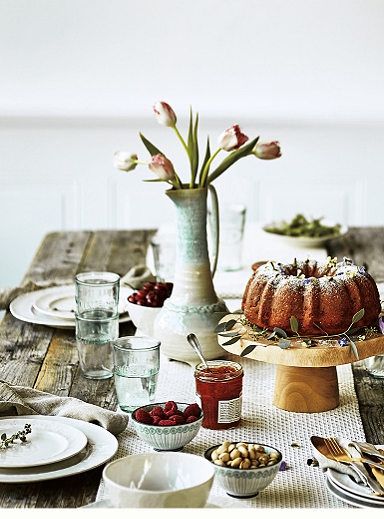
[
  {"x": 341, "y": 454},
  {"x": 335, "y": 448}
]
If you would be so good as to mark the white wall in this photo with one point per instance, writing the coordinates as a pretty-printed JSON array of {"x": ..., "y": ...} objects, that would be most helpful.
[{"x": 78, "y": 79}]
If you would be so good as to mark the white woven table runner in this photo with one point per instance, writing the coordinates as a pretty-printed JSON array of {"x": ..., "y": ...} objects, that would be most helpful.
[{"x": 300, "y": 486}]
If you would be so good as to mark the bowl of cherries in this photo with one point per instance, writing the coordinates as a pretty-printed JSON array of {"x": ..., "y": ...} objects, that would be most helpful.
[{"x": 146, "y": 303}]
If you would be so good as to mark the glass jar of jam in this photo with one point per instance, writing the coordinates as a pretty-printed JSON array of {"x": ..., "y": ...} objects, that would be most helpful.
[{"x": 220, "y": 387}]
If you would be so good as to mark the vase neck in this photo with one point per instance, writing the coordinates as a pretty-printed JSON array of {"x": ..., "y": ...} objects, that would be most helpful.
[
  {"x": 191, "y": 217},
  {"x": 192, "y": 271}
]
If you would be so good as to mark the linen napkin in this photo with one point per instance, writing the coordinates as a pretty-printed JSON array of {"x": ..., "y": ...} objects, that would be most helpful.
[
  {"x": 137, "y": 276},
  {"x": 325, "y": 463},
  {"x": 19, "y": 400}
]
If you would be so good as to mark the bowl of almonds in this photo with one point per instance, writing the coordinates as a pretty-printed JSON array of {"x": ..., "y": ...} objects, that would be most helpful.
[{"x": 244, "y": 468}]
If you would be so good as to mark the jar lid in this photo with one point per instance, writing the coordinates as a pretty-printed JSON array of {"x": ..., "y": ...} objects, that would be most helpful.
[{"x": 218, "y": 370}]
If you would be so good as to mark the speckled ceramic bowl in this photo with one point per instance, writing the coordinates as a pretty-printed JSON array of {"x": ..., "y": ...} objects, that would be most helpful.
[
  {"x": 166, "y": 438},
  {"x": 245, "y": 483}
]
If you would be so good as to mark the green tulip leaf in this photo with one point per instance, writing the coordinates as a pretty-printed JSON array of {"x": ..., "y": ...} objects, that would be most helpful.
[
  {"x": 150, "y": 147},
  {"x": 193, "y": 146},
  {"x": 206, "y": 157},
  {"x": 233, "y": 157}
]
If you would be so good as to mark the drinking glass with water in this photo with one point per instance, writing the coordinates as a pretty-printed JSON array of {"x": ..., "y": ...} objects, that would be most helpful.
[
  {"x": 136, "y": 369},
  {"x": 97, "y": 321}
]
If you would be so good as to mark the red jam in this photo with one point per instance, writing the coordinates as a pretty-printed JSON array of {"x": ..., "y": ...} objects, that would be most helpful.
[{"x": 219, "y": 388}]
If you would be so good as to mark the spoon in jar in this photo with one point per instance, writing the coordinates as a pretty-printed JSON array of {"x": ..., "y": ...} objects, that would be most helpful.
[{"x": 194, "y": 342}]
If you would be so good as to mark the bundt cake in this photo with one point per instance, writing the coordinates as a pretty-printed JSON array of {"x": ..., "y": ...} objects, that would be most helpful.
[{"x": 322, "y": 297}]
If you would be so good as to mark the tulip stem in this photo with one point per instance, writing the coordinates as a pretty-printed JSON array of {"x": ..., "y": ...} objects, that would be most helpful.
[
  {"x": 181, "y": 140},
  {"x": 178, "y": 181},
  {"x": 205, "y": 171}
]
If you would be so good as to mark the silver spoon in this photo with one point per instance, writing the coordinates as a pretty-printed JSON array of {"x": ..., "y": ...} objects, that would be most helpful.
[{"x": 194, "y": 342}]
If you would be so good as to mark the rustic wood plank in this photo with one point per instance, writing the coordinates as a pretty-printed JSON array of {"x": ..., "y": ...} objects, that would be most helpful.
[
  {"x": 55, "y": 263},
  {"x": 116, "y": 251},
  {"x": 370, "y": 393},
  {"x": 365, "y": 245},
  {"x": 59, "y": 373},
  {"x": 23, "y": 350},
  {"x": 129, "y": 248},
  {"x": 68, "y": 492},
  {"x": 60, "y": 364},
  {"x": 58, "y": 258}
]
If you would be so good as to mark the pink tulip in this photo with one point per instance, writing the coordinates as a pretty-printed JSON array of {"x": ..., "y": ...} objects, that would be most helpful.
[
  {"x": 267, "y": 150},
  {"x": 125, "y": 160},
  {"x": 162, "y": 167},
  {"x": 164, "y": 114},
  {"x": 232, "y": 138}
]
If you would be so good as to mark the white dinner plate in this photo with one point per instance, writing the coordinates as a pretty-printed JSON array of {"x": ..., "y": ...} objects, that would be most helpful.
[
  {"x": 59, "y": 302},
  {"x": 360, "y": 497},
  {"x": 22, "y": 308},
  {"x": 101, "y": 446},
  {"x": 346, "y": 484},
  {"x": 351, "y": 499},
  {"x": 48, "y": 442}
]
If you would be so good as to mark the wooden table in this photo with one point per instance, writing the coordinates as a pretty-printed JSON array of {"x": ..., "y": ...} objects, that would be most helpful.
[{"x": 46, "y": 358}]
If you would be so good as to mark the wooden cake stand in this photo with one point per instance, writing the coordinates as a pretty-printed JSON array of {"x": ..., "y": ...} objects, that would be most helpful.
[{"x": 306, "y": 378}]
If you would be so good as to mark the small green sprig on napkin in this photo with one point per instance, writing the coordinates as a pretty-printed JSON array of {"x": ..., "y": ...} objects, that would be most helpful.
[{"x": 19, "y": 435}]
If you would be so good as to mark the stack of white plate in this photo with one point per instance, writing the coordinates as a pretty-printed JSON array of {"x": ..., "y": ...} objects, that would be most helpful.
[
  {"x": 345, "y": 488},
  {"x": 56, "y": 306},
  {"x": 55, "y": 448}
]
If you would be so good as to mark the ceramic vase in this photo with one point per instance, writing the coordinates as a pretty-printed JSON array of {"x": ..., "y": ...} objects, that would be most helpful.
[{"x": 194, "y": 306}]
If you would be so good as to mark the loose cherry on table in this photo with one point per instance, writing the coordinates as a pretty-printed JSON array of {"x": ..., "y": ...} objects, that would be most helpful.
[{"x": 151, "y": 294}]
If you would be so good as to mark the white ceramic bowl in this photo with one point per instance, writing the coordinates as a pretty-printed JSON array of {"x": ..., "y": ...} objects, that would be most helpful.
[
  {"x": 166, "y": 438},
  {"x": 143, "y": 317},
  {"x": 303, "y": 241},
  {"x": 245, "y": 483},
  {"x": 159, "y": 480}
]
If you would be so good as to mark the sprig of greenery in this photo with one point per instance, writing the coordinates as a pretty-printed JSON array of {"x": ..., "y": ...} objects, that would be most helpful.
[
  {"x": 302, "y": 226},
  {"x": 279, "y": 335},
  {"x": 19, "y": 435}
]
